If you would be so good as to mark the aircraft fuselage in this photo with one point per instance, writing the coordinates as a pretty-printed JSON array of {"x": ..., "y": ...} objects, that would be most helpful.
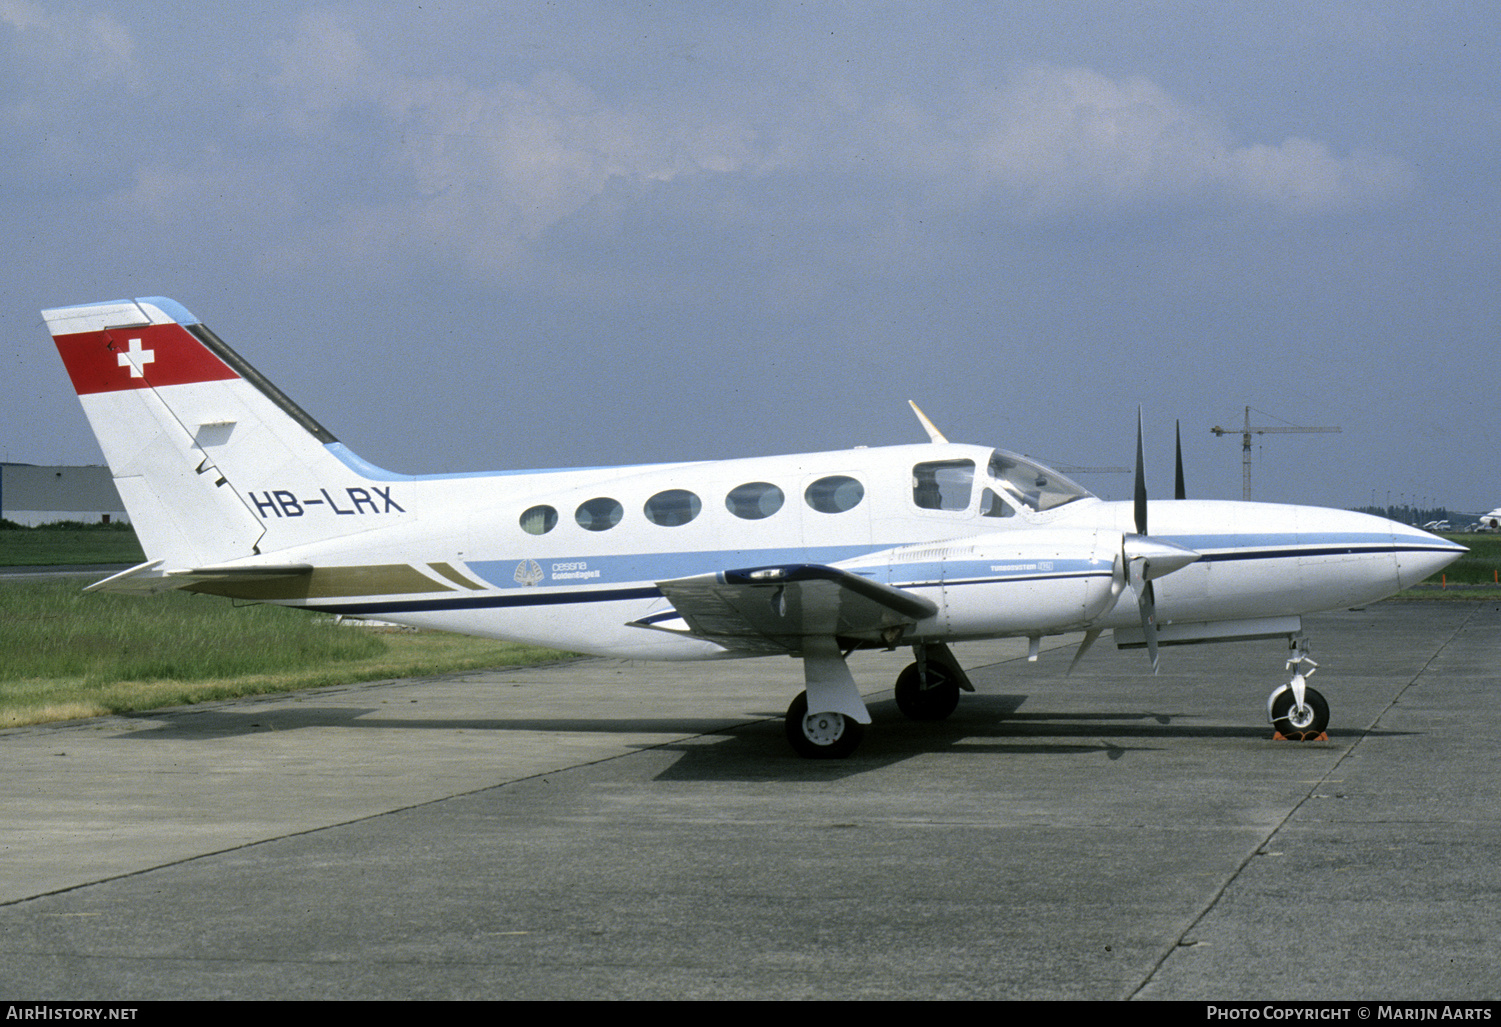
[{"x": 992, "y": 563}]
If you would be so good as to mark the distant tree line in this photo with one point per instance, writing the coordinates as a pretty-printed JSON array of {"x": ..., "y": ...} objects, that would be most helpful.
[{"x": 9, "y": 525}]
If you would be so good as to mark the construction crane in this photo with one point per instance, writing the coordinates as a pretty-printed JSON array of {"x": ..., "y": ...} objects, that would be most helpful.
[{"x": 1245, "y": 443}]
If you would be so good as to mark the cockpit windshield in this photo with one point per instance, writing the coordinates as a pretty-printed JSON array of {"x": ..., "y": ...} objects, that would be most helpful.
[{"x": 1030, "y": 484}]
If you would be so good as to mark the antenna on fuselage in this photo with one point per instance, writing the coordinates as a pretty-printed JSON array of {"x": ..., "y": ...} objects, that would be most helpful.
[{"x": 934, "y": 435}]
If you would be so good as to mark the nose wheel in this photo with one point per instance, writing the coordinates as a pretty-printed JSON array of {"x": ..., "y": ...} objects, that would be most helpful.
[
  {"x": 1297, "y": 712},
  {"x": 1300, "y": 722}
]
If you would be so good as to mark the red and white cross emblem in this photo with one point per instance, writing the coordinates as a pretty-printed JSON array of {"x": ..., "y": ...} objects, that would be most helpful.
[{"x": 136, "y": 359}]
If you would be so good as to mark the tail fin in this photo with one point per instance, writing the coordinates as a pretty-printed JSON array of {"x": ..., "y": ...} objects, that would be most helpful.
[{"x": 214, "y": 463}]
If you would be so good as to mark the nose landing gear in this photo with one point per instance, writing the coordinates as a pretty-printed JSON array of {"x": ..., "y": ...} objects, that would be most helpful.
[{"x": 1299, "y": 713}]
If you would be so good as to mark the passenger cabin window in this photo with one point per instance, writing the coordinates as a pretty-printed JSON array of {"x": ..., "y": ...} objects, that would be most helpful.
[
  {"x": 834, "y": 494},
  {"x": 672, "y": 508},
  {"x": 539, "y": 520},
  {"x": 755, "y": 500},
  {"x": 943, "y": 484},
  {"x": 599, "y": 514}
]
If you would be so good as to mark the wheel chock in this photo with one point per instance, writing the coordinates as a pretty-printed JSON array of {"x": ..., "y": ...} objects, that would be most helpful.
[{"x": 1300, "y": 736}]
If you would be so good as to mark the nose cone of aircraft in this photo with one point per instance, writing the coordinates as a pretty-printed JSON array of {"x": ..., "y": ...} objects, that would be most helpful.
[{"x": 1421, "y": 555}]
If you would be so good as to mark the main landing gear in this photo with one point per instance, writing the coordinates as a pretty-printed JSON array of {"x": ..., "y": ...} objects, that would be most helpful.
[
  {"x": 927, "y": 690},
  {"x": 1297, "y": 712},
  {"x": 821, "y": 736},
  {"x": 933, "y": 697}
]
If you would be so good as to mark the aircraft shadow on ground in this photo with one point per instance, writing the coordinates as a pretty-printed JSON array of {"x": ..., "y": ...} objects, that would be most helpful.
[
  {"x": 726, "y": 749},
  {"x": 209, "y": 725}
]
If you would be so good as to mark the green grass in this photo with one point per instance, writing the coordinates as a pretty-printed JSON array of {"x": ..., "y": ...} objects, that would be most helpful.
[
  {"x": 1480, "y": 566},
  {"x": 65, "y": 654}
]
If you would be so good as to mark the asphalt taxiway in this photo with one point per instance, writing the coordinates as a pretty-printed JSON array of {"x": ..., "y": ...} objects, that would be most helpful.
[{"x": 600, "y": 829}]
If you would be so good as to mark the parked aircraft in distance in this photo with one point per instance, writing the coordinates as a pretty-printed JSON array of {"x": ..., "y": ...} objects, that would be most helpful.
[
  {"x": 236, "y": 491},
  {"x": 1491, "y": 521}
]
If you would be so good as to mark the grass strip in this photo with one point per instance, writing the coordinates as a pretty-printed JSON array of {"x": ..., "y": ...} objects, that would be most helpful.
[{"x": 66, "y": 655}]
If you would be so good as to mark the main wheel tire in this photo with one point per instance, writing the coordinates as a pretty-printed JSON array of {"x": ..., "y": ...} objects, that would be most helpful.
[
  {"x": 821, "y": 736},
  {"x": 935, "y": 702},
  {"x": 1303, "y": 723}
]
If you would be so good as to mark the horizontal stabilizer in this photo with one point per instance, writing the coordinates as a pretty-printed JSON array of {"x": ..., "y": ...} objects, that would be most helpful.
[
  {"x": 149, "y": 578},
  {"x": 142, "y": 579}
]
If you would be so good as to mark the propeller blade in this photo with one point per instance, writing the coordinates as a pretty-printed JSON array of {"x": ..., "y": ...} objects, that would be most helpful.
[
  {"x": 1141, "y": 481},
  {"x": 1146, "y": 604},
  {"x": 1148, "y": 607},
  {"x": 1089, "y": 640},
  {"x": 1180, "y": 490},
  {"x": 1148, "y": 559},
  {"x": 1143, "y": 558}
]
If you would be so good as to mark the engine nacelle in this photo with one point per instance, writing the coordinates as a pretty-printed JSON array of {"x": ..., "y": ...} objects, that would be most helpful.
[{"x": 1037, "y": 582}]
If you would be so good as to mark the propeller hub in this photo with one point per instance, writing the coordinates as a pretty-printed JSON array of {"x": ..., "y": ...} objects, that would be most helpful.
[{"x": 1156, "y": 556}]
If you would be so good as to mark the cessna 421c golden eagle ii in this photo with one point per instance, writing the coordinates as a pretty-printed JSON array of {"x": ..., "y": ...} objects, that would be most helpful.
[{"x": 235, "y": 491}]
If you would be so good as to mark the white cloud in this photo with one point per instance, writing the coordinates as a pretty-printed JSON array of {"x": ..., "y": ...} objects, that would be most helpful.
[
  {"x": 1060, "y": 139},
  {"x": 391, "y": 164}
]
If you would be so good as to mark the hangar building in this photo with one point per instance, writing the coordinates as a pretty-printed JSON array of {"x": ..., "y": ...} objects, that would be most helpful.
[{"x": 33, "y": 495}]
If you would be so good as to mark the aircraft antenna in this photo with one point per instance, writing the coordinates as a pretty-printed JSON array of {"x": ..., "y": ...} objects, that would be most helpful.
[
  {"x": 1245, "y": 447},
  {"x": 934, "y": 435}
]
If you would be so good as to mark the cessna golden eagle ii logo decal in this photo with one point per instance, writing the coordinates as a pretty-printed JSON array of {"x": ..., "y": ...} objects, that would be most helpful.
[{"x": 528, "y": 572}]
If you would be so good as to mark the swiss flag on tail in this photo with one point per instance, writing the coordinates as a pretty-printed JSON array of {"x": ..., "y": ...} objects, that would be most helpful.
[{"x": 143, "y": 356}]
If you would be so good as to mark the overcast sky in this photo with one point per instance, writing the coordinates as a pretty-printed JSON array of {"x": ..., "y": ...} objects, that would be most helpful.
[{"x": 472, "y": 236}]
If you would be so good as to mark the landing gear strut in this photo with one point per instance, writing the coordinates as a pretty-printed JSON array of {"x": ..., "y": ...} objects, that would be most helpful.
[{"x": 1296, "y": 711}]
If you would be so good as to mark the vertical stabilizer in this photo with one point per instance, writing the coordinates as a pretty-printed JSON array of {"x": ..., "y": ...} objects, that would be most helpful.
[{"x": 213, "y": 462}]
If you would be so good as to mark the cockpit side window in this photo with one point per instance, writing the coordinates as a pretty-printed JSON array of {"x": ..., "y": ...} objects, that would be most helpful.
[
  {"x": 992, "y": 505},
  {"x": 1030, "y": 484},
  {"x": 943, "y": 484}
]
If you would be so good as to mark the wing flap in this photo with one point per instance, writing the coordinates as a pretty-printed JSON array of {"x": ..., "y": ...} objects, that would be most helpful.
[{"x": 774, "y": 609}]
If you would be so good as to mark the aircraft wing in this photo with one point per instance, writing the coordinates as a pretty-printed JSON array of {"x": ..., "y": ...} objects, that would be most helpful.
[{"x": 774, "y": 609}]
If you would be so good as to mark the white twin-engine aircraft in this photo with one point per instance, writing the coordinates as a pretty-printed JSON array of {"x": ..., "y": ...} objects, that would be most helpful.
[{"x": 235, "y": 491}]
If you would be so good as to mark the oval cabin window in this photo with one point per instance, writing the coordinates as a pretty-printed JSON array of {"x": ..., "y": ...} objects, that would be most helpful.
[
  {"x": 672, "y": 508},
  {"x": 834, "y": 494},
  {"x": 599, "y": 514},
  {"x": 755, "y": 500},
  {"x": 539, "y": 520}
]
